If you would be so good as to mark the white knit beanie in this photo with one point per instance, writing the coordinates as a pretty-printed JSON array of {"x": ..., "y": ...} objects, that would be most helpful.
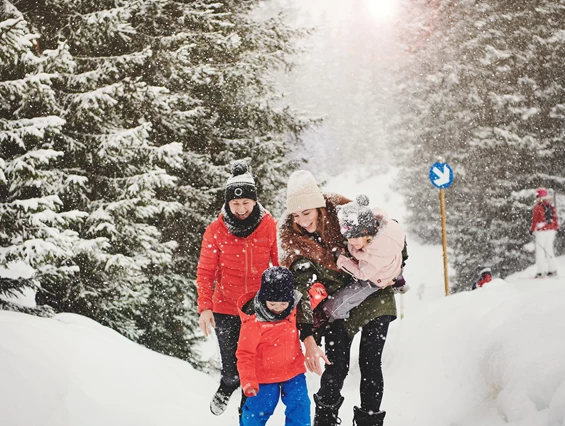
[{"x": 302, "y": 192}]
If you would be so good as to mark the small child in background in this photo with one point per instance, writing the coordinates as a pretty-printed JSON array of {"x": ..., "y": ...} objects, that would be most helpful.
[
  {"x": 485, "y": 276},
  {"x": 376, "y": 244},
  {"x": 269, "y": 354}
]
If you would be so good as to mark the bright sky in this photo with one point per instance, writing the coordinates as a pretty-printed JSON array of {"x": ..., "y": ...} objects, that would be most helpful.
[
  {"x": 491, "y": 357},
  {"x": 383, "y": 10}
]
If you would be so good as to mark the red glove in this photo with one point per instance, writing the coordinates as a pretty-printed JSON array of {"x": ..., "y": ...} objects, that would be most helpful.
[{"x": 317, "y": 293}]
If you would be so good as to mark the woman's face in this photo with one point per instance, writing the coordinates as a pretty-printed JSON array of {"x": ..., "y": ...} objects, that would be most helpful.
[
  {"x": 242, "y": 207},
  {"x": 307, "y": 219},
  {"x": 277, "y": 307}
]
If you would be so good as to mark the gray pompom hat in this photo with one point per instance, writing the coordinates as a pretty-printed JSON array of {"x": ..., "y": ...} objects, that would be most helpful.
[{"x": 356, "y": 219}]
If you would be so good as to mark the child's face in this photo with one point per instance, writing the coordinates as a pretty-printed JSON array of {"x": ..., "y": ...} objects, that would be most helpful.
[
  {"x": 359, "y": 242},
  {"x": 277, "y": 307}
]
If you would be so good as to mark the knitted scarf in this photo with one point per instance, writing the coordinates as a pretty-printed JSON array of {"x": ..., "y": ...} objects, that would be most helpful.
[{"x": 265, "y": 315}]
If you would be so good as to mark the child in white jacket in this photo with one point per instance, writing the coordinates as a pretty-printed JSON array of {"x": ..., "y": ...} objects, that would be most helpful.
[{"x": 375, "y": 243}]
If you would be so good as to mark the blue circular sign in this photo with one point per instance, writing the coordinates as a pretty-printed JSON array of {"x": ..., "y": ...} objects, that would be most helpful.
[{"x": 441, "y": 175}]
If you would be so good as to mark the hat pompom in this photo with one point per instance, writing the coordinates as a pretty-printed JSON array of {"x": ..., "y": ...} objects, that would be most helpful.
[
  {"x": 362, "y": 200},
  {"x": 239, "y": 167}
]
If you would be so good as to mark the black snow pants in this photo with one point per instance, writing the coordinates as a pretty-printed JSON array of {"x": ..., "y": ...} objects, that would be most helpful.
[{"x": 338, "y": 349}]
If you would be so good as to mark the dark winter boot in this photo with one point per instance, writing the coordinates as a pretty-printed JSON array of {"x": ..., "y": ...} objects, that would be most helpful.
[
  {"x": 363, "y": 418},
  {"x": 326, "y": 414},
  {"x": 221, "y": 398}
]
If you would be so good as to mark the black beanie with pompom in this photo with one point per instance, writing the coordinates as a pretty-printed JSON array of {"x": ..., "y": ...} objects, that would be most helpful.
[
  {"x": 241, "y": 184},
  {"x": 277, "y": 285}
]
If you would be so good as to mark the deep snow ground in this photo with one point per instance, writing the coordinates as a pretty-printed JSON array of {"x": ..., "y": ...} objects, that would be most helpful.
[{"x": 491, "y": 357}]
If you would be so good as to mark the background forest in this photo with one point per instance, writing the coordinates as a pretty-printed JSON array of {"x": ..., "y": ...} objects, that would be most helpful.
[{"x": 119, "y": 119}]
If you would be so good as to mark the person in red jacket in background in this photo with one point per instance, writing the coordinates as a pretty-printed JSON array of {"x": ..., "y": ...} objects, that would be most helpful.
[
  {"x": 484, "y": 276},
  {"x": 236, "y": 248},
  {"x": 269, "y": 354},
  {"x": 544, "y": 228}
]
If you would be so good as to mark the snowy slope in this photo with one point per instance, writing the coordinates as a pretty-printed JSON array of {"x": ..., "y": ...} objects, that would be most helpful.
[
  {"x": 490, "y": 357},
  {"x": 494, "y": 356}
]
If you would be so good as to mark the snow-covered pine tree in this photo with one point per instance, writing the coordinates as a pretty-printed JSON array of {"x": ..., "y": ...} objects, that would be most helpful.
[
  {"x": 522, "y": 58},
  {"x": 152, "y": 76},
  {"x": 108, "y": 140},
  {"x": 35, "y": 229},
  {"x": 215, "y": 59},
  {"x": 434, "y": 120},
  {"x": 491, "y": 100}
]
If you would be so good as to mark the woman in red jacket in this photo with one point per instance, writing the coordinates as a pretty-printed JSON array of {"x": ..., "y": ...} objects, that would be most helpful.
[
  {"x": 544, "y": 228},
  {"x": 236, "y": 248},
  {"x": 269, "y": 356}
]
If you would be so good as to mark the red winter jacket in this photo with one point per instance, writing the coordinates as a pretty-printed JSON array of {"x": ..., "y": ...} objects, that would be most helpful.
[
  {"x": 230, "y": 266},
  {"x": 267, "y": 352},
  {"x": 485, "y": 278},
  {"x": 538, "y": 221}
]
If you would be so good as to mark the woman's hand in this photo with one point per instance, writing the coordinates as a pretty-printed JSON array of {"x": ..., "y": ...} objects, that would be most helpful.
[
  {"x": 313, "y": 355},
  {"x": 207, "y": 322}
]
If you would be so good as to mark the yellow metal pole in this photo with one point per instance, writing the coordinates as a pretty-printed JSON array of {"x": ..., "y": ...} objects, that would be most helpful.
[{"x": 444, "y": 239}]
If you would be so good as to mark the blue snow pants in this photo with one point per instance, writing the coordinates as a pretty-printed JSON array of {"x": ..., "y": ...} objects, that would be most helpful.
[{"x": 294, "y": 394}]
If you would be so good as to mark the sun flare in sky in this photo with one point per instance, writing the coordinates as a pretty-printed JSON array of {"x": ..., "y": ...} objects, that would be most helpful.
[{"x": 382, "y": 10}]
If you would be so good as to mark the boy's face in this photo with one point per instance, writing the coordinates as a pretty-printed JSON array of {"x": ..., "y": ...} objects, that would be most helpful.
[{"x": 277, "y": 307}]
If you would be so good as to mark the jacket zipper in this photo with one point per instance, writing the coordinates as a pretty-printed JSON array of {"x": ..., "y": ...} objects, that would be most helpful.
[{"x": 246, "y": 265}]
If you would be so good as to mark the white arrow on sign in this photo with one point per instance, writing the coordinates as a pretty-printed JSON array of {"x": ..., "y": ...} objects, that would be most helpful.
[{"x": 443, "y": 176}]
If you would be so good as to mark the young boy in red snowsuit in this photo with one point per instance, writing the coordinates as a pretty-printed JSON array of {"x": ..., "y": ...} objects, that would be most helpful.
[{"x": 269, "y": 355}]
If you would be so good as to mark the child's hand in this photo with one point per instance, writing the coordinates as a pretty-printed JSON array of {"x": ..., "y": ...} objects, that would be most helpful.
[{"x": 249, "y": 390}]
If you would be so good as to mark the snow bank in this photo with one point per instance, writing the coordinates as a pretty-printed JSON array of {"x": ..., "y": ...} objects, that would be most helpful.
[
  {"x": 494, "y": 356},
  {"x": 489, "y": 357}
]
